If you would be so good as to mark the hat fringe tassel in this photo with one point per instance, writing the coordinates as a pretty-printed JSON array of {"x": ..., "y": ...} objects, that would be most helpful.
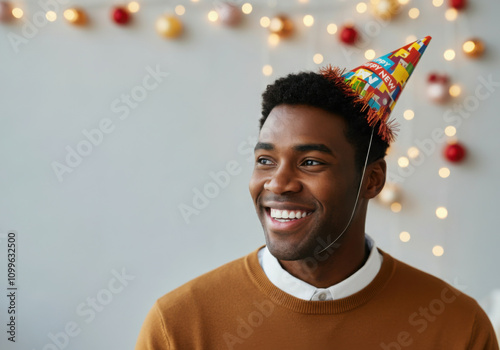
[{"x": 386, "y": 128}]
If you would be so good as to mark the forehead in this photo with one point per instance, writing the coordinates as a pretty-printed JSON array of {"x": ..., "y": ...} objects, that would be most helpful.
[{"x": 289, "y": 125}]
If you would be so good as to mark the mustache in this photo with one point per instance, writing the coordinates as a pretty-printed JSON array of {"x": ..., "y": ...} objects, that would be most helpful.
[{"x": 286, "y": 198}]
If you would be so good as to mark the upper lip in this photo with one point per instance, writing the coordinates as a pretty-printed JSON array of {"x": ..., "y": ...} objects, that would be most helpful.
[{"x": 286, "y": 206}]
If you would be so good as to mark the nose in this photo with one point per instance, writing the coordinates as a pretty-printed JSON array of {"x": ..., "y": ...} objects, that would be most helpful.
[{"x": 283, "y": 180}]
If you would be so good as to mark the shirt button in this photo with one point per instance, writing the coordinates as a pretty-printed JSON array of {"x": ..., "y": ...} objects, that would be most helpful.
[{"x": 322, "y": 296}]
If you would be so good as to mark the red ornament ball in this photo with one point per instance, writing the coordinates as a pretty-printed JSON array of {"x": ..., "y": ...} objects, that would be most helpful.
[
  {"x": 348, "y": 35},
  {"x": 120, "y": 15},
  {"x": 454, "y": 152},
  {"x": 458, "y": 4}
]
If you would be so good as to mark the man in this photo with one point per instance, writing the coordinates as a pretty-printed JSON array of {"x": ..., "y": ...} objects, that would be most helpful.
[{"x": 320, "y": 282}]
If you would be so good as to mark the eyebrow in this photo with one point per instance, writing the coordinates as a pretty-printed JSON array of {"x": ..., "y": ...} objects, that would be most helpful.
[
  {"x": 264, "y": 145},
  {"x": 299, "y": 148},
  {"x": 313, "y": 147}
]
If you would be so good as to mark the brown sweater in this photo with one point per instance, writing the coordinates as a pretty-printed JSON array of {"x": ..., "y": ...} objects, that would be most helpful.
[{"x": 236, "y": 307}]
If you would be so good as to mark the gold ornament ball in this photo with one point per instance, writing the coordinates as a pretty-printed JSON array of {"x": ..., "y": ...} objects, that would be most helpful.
[
  {"x": 169, "y": 26},
  {"x": 385, "y": 9},
  {"x": 75, "y": 16},
  {"x": 282, "y": 26},
  {"x": 473, "y": 48}
]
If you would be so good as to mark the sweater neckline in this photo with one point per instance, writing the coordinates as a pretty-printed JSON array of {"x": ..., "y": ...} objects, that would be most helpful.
[{"x": 288, "y": 301}]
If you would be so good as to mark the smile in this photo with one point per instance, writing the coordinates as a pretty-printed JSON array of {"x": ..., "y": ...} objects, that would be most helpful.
[
  {"x": 287, "y": 215},
  {"x": 286, "y": 220}
]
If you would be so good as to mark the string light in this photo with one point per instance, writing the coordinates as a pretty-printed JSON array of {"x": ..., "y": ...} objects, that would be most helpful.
[
  {"x": 308, "y": 20},
  {"x": 361, "y": 7},
  {"x": 441, "y": 212},
  {"x": 468, "y": 46},
  {"x": 276, "y": 24},
  {"x": 51, "y": 16},
  {"x": 180, "y": 10},
  {"x": 318, "y": 58},
  {"x": 273, "y": 39},
  {"x": 71, "y": 15},
  {"x": 265, "y": 22},
  {"x": 414, "y": 13},
  {"x": 267, "y": 70},
  {"x": 213, "y": 16},
  {"x": 455, "y": 90},
  {"x": 332, "y": 28},
  {"x": 437, "y": 3},
  {"x": 437, "y": 250},
  {"x": 369, "y": 54},
  {"x": 403, "y": 162},
  {"x": 133, "y": 6},
  {"x": 403, "y": 2},
  {"x": 396, "y": 207},
  {"x": 450, "y": 131},
  {"x": 408, "y": 114},
  {"x": 451, "y": 14},
  {"x": 247, "y": 8},
  {"x": 17, "y": 12},
  {"x": 413, "y": 152},
  {"x": 404, "y": 236},
  {"x": 444, "y": 172},
  {"x": 449, "y": 55}
]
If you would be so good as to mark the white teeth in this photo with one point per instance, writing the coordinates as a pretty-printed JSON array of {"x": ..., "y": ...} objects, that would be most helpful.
[{"x": 286, "y": 215}]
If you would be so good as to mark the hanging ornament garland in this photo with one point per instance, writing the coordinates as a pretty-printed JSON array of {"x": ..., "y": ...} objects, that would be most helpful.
[
  {"x": 229, "y": 14},
  {"x": 5, "y": 12},
  {"x": 385, "y": 9},
  {"x": 390, "y": 194},
  {"x": 75, "y": 16},
  {"x": 121, "y": 15},
  {"x": 438, "y": 87},
  {"x": 473, "y": 48},
  {"x": 455, "y": 152},
  {"x": 169, "y": 26},
  {"x": 458, "y": 4},
  {"x": 282, "y": 26},
  {"x": 348, "y": 34}
]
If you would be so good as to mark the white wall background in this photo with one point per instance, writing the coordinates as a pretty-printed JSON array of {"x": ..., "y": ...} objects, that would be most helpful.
[{"x": 119, "y": 208}]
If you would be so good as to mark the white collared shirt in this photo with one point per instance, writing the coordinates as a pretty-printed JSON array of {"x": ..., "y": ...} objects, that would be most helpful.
[{"x": 302, "y": 290}]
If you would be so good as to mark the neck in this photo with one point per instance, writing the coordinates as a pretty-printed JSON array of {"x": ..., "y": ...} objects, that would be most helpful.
[{"x": 342, "y": 263}]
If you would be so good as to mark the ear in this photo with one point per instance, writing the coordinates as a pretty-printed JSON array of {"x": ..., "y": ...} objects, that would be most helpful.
[{"x": 374, "y": 178}]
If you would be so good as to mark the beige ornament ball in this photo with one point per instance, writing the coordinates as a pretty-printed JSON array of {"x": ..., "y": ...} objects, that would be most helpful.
[{"x": 389, "y": 194}]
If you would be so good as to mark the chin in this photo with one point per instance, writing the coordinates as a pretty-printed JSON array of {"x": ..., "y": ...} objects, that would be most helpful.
[{"x": 287, "y": 249}]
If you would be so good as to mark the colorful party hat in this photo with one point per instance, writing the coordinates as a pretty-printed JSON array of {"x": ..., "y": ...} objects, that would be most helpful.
[{"x": 377, "y": 84}]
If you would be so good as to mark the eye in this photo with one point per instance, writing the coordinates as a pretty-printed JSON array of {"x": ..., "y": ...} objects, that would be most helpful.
[
  {"x": 264, "y": 161},
  {"x": 312, "y": 162}
]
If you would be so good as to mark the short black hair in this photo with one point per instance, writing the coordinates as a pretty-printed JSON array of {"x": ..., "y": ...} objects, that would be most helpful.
[{"x": 315, "y": 90}]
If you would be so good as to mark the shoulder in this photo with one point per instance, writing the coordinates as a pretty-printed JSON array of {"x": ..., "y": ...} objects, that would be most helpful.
[
  {"x": 436, "y": 307},
  {"x": 428, "y": 291}
]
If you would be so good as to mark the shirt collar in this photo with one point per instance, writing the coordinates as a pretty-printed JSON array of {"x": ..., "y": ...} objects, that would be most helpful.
[{"x": 302, "y": 290}]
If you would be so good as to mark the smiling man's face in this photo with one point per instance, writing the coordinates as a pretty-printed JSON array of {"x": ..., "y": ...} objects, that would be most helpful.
[{"x": 304, "y": 183}]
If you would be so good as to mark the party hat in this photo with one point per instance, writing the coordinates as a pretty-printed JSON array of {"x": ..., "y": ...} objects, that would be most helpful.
[{"x": 378, "y": 83}]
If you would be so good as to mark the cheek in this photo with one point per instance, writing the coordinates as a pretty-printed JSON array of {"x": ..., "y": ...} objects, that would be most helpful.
[
  {"x": 255, "y": 186},
  {"x": 331, "y": 192}
]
